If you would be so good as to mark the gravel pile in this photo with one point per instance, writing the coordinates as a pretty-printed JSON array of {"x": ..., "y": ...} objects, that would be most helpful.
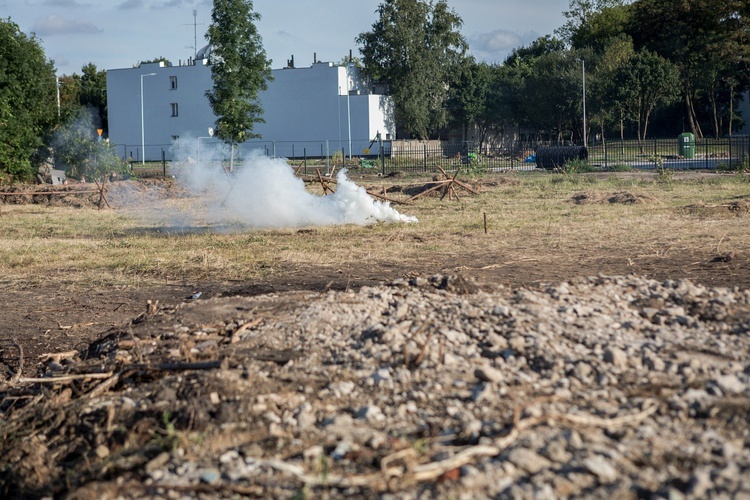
[{"x": 601, "y": 387}]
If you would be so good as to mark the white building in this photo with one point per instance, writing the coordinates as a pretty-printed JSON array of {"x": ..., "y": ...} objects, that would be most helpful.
[{"x": 308, "y": 111}]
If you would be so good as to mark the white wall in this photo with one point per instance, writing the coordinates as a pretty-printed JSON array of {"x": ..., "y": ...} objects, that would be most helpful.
[{"x": 304, "y": 108}]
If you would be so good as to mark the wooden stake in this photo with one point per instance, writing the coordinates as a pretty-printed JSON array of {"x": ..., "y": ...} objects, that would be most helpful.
[{"x": 485, "y": 222}]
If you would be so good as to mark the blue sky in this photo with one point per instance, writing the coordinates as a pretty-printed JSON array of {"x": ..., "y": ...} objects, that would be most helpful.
[{"x": 116, "y": 34}]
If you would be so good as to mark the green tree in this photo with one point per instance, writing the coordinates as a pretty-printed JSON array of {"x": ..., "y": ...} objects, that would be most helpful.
[
  {"x": 552, "y": 94},
  {"x": 240, "y": 70},
  {"x": 93, "y": 94},
  {"x": 703, "y": 38},
  {"x": 644, "y": 82},
  {"x": 515, "y": 104},
  {"x": 415, "y": 48},
  {"x": 81, "y": 153},
  {"x": 28, "y": 108},
  {"x": 590, "y": 23},
  {"x": 604, "y": 96},
  {"x": 470, "y": 100},
  {"x": 69, "y": 89}
]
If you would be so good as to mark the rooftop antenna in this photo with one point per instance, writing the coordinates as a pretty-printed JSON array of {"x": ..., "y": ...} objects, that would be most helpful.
[{"x": 195, "y": 33}]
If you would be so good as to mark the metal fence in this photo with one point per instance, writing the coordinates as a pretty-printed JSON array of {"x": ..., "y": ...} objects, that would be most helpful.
[
  {"x": 385, "y": 157},
  {"x": 704, "y": 153}
]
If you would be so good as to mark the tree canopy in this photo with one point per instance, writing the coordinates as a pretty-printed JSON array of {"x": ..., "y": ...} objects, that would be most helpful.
[
  {"x": 682, "y": 64},
  {"x": 415, "y": 47},
  {"x": 239, "y": 70},
  {"x": 28, "y": 107}
]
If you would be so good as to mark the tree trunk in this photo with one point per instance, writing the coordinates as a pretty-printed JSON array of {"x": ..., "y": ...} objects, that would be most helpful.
[
  {"x": 695, "y": 127},
  {"x": 715, "y": 113},
  {"x": 231, "y": 158},
  {"x": 731, "y": 107}
]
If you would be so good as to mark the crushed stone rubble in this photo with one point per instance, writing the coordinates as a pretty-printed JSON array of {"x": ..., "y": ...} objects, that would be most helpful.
[{"x": 601, "y": 387}]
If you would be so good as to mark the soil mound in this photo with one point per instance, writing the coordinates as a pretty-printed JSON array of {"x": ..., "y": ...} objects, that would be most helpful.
[
  {"x": 620, "y": 197},
  {"x": 737, "y": 207}
]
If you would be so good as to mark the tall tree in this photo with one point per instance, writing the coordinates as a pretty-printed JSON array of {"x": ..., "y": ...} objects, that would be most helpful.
[
  {"x": 415, "y": 47},
  {"x": 552, "y": 94},
  {"x": 28, "y": 108},
  {"x": 517, "y": 68},
  {"x": 605, "y": 103},
  {"x": 93, "y": 94},
  {"x": 240, "y": 71},
  {"x": 702, "y": 37},
  {"x": 644, "y": 82},
  {"x": 592, "y": 23},
  {"x": 472, "y": 101}
]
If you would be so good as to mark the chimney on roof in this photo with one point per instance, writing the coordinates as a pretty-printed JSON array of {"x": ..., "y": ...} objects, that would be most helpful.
[{"x": 290, "y": 62}]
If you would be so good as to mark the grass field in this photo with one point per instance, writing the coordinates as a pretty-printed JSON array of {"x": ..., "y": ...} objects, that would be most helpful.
[{"x": 528, "y": 216}]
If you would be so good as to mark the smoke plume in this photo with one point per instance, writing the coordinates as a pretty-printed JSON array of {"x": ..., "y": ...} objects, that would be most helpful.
[{"x": 263, "y": 192}]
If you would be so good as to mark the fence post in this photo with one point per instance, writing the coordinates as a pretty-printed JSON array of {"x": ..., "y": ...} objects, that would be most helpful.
[
  {"x": 382, "y": 155},
  {"x": 328, "y": 164},
  {"x": 705, "y": 156},
  {"x": 163, "y": 162},
  {"x": 606, "y": 157},
  {"x": 425, "y": 158},
  {"x": 304, "y": 153}
]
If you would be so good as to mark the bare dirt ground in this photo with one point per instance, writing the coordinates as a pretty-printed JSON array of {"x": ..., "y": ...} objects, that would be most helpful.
[
  {"x": 88, "y": 445},
  {"x": 37, "y": 317}
]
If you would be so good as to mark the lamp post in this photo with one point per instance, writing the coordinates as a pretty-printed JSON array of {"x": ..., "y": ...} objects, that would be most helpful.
[
  {"x": 143, "y": 130},
  {"x": 57, "y": 85},
  {"x": 348, "y": 111},
  {"x": 583, "y": 79}
]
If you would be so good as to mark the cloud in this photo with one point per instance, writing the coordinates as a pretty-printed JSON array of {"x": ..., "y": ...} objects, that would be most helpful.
[
  {"x": 494, "y": 46},
  {"x": 169, "y": 4},
  {"x": 56, "y": 25},
  {"x": 130, "y": 4},
  {"x": 66, "y": 4}
]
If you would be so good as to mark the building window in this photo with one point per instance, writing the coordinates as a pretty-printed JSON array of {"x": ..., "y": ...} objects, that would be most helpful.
[
  {"x": 175, "y": 111},
  {"x": 172, "y": 82}
]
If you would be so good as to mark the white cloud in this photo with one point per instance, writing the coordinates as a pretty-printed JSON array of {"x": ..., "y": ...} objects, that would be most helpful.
[
  {"x": 56, "y": 25},
  {"x": 494, "y": 46}
]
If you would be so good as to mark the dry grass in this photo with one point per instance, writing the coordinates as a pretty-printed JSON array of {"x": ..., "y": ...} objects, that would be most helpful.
[{"x": 534, "y": 218}]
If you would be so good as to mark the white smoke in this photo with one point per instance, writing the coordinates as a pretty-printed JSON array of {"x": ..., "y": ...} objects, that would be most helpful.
[{"x": 263, "y": 192}]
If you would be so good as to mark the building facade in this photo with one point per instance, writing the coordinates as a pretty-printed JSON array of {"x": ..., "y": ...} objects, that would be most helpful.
[{"x": 313, "y": 111}]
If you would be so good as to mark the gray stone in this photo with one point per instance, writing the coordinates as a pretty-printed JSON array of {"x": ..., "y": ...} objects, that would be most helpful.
[
  {"x": 601, "y": 468},
  {"x": 528, "y": 460},
  {"x": 616, "y": 357},
  {"x": 730, "y": 384},
  {"x": 487, "y": 373}
]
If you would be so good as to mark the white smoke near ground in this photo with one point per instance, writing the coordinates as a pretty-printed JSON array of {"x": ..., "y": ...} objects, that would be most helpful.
[{"x": 264, "y": 192}]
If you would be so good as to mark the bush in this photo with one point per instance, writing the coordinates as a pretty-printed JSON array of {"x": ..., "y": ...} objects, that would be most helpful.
[
  {"x": 578, "y": 167},
  {"x": 620, "y": 167},
  {"x": 80, "y": 152}
]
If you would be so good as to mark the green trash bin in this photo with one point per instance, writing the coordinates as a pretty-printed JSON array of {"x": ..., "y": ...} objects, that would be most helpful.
[{"x": 687, "y": 145}]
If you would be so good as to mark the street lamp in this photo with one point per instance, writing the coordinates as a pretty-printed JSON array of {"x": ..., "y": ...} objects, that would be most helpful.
[
  {"x": 57, "y": 85},
  {"x": 348, "y": 111},
  {"x": 143, "y": 133},
  {"x": 583, "y": 79}
]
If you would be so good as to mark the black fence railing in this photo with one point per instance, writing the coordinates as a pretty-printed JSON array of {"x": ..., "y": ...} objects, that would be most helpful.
[
  {"x": 390, "y": 156},
  {"x": 704, "y": 153}
]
